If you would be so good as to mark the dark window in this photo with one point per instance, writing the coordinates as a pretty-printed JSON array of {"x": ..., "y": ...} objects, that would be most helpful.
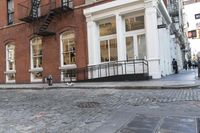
[{"x": 10, "y": 12}]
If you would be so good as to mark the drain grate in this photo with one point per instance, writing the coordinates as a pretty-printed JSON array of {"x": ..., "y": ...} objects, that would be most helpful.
[{"x": 88, "y": 104}]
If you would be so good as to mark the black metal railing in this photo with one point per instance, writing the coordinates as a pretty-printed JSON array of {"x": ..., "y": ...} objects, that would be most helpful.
[
  {"x": 137, "y": 66},
  {"x": 25, "y": 9}
]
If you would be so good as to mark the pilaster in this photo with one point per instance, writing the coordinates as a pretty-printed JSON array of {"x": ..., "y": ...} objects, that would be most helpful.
[
  {"x": 152, "y": 39},
  {"x": 93, "y": 50},
  {"x": 120, "y": 38}
]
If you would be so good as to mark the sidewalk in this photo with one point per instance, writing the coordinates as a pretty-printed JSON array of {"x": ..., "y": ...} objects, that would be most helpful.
[{"x": 185, "y": 79}]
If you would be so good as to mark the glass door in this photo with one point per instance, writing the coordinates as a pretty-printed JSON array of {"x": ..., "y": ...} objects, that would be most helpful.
[{"x": 136, "y": 47}]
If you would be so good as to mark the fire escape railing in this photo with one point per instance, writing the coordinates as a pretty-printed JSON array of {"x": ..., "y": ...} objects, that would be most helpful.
[
  {"x": 115, "y": 68},
  {"x": 42, "y": 14}
]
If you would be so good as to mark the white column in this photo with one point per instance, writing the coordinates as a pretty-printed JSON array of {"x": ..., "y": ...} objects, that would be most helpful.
[
  {"x": 93, "y": 44},
  {"x": 121, "y": 45},
  {"x": 153, "y": 54}
]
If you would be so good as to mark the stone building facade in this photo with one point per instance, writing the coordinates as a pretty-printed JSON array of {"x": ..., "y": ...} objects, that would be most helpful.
[{"x": 57, "y": 37}]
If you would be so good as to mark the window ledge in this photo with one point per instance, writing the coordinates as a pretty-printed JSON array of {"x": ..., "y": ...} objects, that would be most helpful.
[
  {"x": 10, "y": 71},
  {"x": 36, "y": 70},
  {"x": 71, "y": 66},
  {"x": 10, "y": 81}
]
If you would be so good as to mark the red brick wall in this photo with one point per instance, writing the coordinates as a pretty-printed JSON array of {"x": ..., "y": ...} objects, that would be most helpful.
[
  {"x": 165, "y": 2},
  {"x": 21, "y": 34}
]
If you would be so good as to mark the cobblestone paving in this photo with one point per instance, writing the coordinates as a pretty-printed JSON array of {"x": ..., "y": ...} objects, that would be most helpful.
[{"x": 58, "y": 111}]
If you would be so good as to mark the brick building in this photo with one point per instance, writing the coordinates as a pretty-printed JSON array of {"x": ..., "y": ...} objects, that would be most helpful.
[
  {"x": 83, "y": 39},
  {"x": 47, "y": 37}
]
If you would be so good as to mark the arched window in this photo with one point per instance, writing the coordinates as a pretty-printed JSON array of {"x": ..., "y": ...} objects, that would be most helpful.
[
  {"x": 36, "y": 59},
  {"x": 68, "y": 48},
  {"x": 10, "y": 62},
  {"x": 68, "y": 54}
]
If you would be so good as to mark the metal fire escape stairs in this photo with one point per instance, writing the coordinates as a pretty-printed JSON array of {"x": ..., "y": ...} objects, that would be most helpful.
[
  {"x": 43, "y": 28},
  {"x": 42, "y": 22}
]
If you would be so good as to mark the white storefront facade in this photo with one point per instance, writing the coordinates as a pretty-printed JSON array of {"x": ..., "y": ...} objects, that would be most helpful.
[{"x": 131, "y": 29}]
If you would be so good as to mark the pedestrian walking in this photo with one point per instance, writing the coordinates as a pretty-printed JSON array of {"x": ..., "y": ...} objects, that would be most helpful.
[
  {"x": 185, "y": 64},
  {"x": 175, "y": 66},
  {"x": 198, "y": 65},
  {"x": 189, "y": 64}
]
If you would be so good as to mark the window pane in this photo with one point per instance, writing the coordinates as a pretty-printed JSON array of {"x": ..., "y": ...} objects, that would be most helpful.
[
  {"x": 11, "y": 65},
  {"x": 65, "y": 46},
  {"x": 141, "y": 46},
  {"x": 108, "y": 28},
  {"x": 10, "y": 57},
  {"x": 69, "y": 73},
  {"x": 37, "y": 50},
  {"x": 129, "y": 48},
  {"x": 66, "y": 58},
  {"x": 68, "y": 53},
  {"x": 104, "y": 51},
  {"x": 37, "y": 75},
  {"x": 134, "y": 23},
  {"x": 36, "y": 45},
  {"x": 37, "y": 62},
  {"x": 11, "y": 76},
  {"x": 113, "y": 50}
]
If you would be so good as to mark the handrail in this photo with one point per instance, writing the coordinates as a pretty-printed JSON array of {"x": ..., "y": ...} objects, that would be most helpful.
[{"x": 113, "y": 68}]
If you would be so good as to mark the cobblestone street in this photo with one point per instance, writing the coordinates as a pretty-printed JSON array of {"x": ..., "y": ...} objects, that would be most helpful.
[{"x": 89, "y": 110}]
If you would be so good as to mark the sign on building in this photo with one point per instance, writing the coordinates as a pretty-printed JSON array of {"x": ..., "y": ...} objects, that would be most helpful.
[
  {"x": 197, "y": 16},
  {"x": 161, "y": 26},
  {"x": 192, "y": 34}
]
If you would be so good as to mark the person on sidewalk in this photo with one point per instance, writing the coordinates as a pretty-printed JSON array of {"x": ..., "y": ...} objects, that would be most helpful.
[
  {"x": 175, "y": 66},
  {"x": 185, "y": 64},
  {"x": 189, "y": 64}
]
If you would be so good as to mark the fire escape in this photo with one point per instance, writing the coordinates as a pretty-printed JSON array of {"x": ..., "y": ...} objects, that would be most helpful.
[
  {"x": 177, "y": 25},
  {"x": 41, "y": 15}
]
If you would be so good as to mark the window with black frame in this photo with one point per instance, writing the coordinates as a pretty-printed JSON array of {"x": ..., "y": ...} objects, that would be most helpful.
[{"x": 10, "y": 11}]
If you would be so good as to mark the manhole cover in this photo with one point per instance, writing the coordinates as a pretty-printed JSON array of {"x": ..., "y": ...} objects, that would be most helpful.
[{"x": 88, "y": 104}]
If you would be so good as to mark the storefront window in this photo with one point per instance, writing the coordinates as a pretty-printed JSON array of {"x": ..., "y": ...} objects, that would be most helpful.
[
  {"x": 108, "y": 50},
  {"x": 108, "y": 40},
  {"x": 129, "y": 48},
  {"x": 10, "y": 62},
  {"x": 10, "y": 57},
  {"x": 36, "y": 59},
  {"x": 36, "y": 46},
  {"x": 68, "y": 56},
  {"x": 134, "y": 23},
  {"x": 68, "y": 52},
  {"x": 141, "y": 46}
]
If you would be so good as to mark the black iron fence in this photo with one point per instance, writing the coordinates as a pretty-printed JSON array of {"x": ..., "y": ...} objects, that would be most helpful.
[
  {"x": 137, "y": 66},
  {"x": 108, "y": 69},
  {"x": 25, "y": 7}
]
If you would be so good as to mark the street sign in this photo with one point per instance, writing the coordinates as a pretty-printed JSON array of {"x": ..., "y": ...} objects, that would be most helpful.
[
  {"x": 197, "y": 16},
  {"x": 161, "y": 26}
]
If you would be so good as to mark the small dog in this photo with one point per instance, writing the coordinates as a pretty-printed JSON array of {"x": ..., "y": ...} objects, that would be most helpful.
[{"x": 69, "y": 84}]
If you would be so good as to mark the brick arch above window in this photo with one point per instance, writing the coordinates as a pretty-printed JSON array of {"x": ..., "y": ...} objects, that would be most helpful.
[
  {"x": 7, "y": 41},
  {"x": 67, "y": 28}
]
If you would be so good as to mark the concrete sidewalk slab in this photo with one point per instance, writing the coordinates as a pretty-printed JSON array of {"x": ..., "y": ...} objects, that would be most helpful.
[{"x": 185, "y": 79}]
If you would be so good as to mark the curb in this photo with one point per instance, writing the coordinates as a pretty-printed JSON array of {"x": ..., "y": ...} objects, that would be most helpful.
[{"x": 101, "y": 87}]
